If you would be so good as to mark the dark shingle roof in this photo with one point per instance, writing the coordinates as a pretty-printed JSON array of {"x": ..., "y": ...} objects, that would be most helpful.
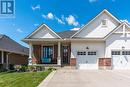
[
  {"x": 66, "y": 34},
  {"x": 7, "y": 44}
]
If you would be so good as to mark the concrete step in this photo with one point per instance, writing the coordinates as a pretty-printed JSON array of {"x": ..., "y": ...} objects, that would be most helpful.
[{"x": 68, "y": 67}]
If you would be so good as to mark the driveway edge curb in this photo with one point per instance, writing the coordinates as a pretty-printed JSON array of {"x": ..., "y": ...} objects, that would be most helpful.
[{"x": 47, "y": 79}]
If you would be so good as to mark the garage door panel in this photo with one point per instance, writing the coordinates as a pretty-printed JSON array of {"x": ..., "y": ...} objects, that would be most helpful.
[
  {"x": 87, "y": 62},
  {"x": 121, "y": 61}
]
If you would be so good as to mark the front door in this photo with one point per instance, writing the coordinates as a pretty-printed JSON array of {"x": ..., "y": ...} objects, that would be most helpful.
[
  {"x": 65, "y": 54},
  {"x": 47, "y": 54}
]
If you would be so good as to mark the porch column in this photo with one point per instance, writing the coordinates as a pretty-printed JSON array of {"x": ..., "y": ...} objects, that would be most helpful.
[
  {"x": 2, "y": 57},
  {"x": 30, "y": 55},
  {"x": 59, "y": 56},
  {"x": 7, "y": 61}
]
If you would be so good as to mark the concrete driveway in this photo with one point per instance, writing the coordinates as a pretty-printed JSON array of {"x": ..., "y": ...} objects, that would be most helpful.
[{"x": 89, "y": 78}]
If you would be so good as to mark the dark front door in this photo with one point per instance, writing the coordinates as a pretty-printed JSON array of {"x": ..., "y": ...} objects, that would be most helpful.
[{"x": 65, "y": 53}]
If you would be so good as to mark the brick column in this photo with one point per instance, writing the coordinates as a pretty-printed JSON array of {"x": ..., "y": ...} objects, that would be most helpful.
[{"x": 72, "y": 61}]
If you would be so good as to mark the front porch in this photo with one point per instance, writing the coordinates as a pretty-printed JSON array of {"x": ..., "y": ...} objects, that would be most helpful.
[{"x": 49, "y": 53}]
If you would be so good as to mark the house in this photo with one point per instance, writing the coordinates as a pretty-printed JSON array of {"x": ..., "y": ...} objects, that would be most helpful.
[
  {"x": 11, "y": 53},
  {"x": 103, "y": 43}
]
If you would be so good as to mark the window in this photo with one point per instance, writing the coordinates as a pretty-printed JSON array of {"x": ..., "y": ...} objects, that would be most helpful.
[
  {"x": 126, "y": 53},
  {"x": 81, "y": 53},
  {"x": 115, "y": 52},
  {"x": 92, "y": 53},
  {"x": 104, "y": 22}
]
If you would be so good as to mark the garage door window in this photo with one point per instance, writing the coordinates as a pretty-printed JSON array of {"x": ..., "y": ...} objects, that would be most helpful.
[
  {"x": 81, "y": 53},
  {"x": 126, "y": 53},
  {"x": 115, "y": 52},
  {"x": 92, "y": 53}
]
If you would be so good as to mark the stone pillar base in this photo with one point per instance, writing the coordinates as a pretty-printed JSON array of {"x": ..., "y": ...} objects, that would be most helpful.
[
  {"x": 104, "y": 63},
  {"x": 29, "y": 61},
  {"x": 72, "y": 61},
  {"x": 59, "y": 61}
]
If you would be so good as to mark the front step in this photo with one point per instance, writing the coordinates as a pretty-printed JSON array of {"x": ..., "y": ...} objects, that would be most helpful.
[{"x": 69, "y": 67}]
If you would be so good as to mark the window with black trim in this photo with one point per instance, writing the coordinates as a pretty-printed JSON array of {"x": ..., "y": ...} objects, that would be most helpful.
[
  {"x": 92, "y": 53},
  {"x": 116, "y": 53},
  {"x": 125, "y": 52},
  {"x": 81, "y": 53}
]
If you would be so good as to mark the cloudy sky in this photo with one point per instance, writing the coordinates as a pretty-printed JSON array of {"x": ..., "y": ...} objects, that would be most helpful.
[{"x": 60, "y": 15}]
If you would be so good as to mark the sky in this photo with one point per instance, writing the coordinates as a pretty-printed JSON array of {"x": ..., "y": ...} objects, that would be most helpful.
[{"x": 59, "y": 15}]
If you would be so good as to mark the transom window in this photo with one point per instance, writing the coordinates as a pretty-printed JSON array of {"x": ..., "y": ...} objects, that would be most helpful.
[
  {"x": 116, "y": 53},
  {"x": 92, "y": 53},
  {"x": 81, "y": 53},
  {"x": 126, "y": 53}
]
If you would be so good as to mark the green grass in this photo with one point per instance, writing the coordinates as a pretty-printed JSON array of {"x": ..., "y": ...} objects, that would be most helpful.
[{"x": 25, "y": 79}]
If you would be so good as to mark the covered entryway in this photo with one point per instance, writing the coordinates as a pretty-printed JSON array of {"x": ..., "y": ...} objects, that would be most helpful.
[
  {"x": 87, "y": 60},
  {"x": 65, "y": 54},
  {"x": 121, "y": 59}
]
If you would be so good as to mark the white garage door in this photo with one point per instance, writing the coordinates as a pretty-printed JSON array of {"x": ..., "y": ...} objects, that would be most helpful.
[
  {"x": 121, "y": 59},
  {"x": 87, "y": 60}
]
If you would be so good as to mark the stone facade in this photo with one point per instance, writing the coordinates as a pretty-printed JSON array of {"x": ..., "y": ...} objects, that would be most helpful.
[
  {"x": 72, "y": 61},
  {"x": 104, "y": 63}
]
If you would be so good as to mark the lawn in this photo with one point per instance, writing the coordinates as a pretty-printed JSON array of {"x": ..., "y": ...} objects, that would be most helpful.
[{"x": 25, "y": 79}]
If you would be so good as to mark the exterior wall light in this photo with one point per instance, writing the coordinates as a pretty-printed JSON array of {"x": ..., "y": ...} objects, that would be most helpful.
[{"x": 87, "y": 48}]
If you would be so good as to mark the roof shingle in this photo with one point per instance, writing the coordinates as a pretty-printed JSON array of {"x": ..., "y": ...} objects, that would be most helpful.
[
  {"x": 66, "y": 34},
  {"x": 7, "y": 44}
]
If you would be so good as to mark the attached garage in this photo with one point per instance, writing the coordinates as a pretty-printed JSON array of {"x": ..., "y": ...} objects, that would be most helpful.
[
  {"x": 87, "y": 60},
  {"x": 121, "y": 59}
]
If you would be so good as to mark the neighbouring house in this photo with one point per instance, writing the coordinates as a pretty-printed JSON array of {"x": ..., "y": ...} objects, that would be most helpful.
[
  {"x": 12, "y": 53},
  {"x": 103, "y": 43}
]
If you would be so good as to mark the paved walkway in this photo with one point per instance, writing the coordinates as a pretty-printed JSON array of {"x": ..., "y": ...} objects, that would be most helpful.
[{"x": 85, "y": 78}]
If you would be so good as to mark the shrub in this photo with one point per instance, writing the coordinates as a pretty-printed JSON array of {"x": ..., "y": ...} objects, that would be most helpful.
[
  {"x": 11, "y": 67},
  {"x": 24, "y": 68},
  {"x": 2, "y": 69},
  {"x": 51, "y": 69},
  {"x": 17, "y": 67},
  {"x": 34, "y": 68}
]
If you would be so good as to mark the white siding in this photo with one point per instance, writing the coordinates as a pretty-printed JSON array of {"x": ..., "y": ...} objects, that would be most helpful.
[
  {"x": 93, "y": 46},
  {"x": 96, "y": 30},
  {"x": 116, "y": 41},
  {"x": 44, "y": 33}
]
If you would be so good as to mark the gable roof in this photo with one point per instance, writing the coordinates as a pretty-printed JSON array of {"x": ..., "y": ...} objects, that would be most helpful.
[
  {"x": 39, "y": 28},
  {"x": 66, "y": 34},
  {"x": 9, "y": 45},
  {"x": 104, "y": 11},
  {"x": 123, "y": 23}
]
